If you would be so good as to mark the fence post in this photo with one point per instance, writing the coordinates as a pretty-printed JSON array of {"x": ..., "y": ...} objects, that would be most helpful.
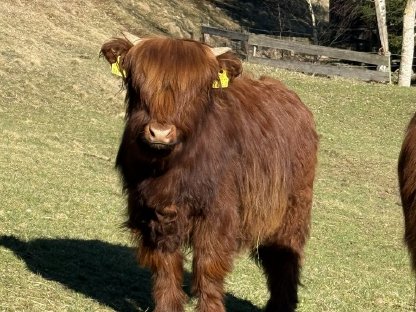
[
  {"x": 244, "y": 44},
  {"x": 205, "y": 38},
  {"x": 245, "y": 48}
]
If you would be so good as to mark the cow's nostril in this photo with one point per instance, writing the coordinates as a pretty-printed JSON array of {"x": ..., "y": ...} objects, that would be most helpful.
[
  {"x": 159, "y": 133},
  {"x": 152, "y": 133}
]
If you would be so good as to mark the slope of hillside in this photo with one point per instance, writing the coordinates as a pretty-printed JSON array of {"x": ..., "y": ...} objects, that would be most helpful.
[
  {"x": 51, "y": 47},
  {"x": 43, "y": 36}
]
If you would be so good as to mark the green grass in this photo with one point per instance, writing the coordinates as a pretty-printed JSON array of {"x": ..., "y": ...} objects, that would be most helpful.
[{"x": 61, "y": 244}]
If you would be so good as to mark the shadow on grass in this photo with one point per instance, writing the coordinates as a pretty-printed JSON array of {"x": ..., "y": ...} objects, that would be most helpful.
[{"x": 102, "y": 271}]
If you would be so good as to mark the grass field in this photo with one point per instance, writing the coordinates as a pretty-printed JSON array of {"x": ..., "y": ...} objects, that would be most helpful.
[{"x": 61, "y": 115}]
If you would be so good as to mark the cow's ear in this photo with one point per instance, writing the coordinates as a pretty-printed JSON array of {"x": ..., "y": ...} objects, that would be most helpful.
[
  {"x": 115, "y": 50},
  {"x": 231, "y": 63}
]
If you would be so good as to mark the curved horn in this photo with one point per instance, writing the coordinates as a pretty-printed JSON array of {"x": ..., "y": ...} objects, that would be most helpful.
[
  {"x": 132, "y": 38},
  {"x": 220, "y": 50}
]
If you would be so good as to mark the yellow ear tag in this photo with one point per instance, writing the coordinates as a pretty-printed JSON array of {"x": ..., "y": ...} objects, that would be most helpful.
[
  {"x": 115, "y": 68},
  {"x": 222, "y": 81}
]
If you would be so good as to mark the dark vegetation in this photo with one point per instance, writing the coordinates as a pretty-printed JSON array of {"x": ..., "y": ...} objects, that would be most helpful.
[
  {"x": 272, "y": 17},
  {"x": 344, "y": 23}
]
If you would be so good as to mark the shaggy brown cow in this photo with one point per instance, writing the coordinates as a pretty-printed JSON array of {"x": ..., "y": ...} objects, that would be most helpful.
[
  {"x": 215, "y": 168},
  {"x": 407, "y": 183}
]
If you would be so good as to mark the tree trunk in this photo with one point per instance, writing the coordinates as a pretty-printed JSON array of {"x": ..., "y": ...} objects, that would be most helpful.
[
  {"x": 382, "y": 25},
  {"x": 408, "y": 44},
  {"x": 314, "y": 30}
]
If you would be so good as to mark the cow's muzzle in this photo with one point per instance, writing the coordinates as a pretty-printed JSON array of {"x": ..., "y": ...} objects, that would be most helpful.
[{"x": 160, "y": 136}]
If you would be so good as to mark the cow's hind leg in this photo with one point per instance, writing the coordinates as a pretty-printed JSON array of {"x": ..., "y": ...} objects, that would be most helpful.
[
  {"x": 282, "y": 255},
  {"x": 282, "y": 268}
]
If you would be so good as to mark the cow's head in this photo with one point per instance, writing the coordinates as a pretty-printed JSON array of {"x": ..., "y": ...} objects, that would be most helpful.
[{"x": 169, "y": 83}]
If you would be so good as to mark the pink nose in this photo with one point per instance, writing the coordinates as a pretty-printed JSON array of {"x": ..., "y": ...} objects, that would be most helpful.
[{"x": 157, "y": 133}]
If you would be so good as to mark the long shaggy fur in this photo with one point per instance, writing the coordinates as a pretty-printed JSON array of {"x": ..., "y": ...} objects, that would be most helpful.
[
  {"x": 240, "y": 176},
  {"x": 407, "y": 184}
]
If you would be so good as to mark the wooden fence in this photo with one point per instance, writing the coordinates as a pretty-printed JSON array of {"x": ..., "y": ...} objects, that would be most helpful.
[{"x": 333, "y": 57}]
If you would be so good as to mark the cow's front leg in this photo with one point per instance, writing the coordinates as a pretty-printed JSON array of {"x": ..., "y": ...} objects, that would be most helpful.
[
  {"x": 214, "y": 245},
  {"x": 159, "y": 232},
  {"x": 167, "y": 268}
]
